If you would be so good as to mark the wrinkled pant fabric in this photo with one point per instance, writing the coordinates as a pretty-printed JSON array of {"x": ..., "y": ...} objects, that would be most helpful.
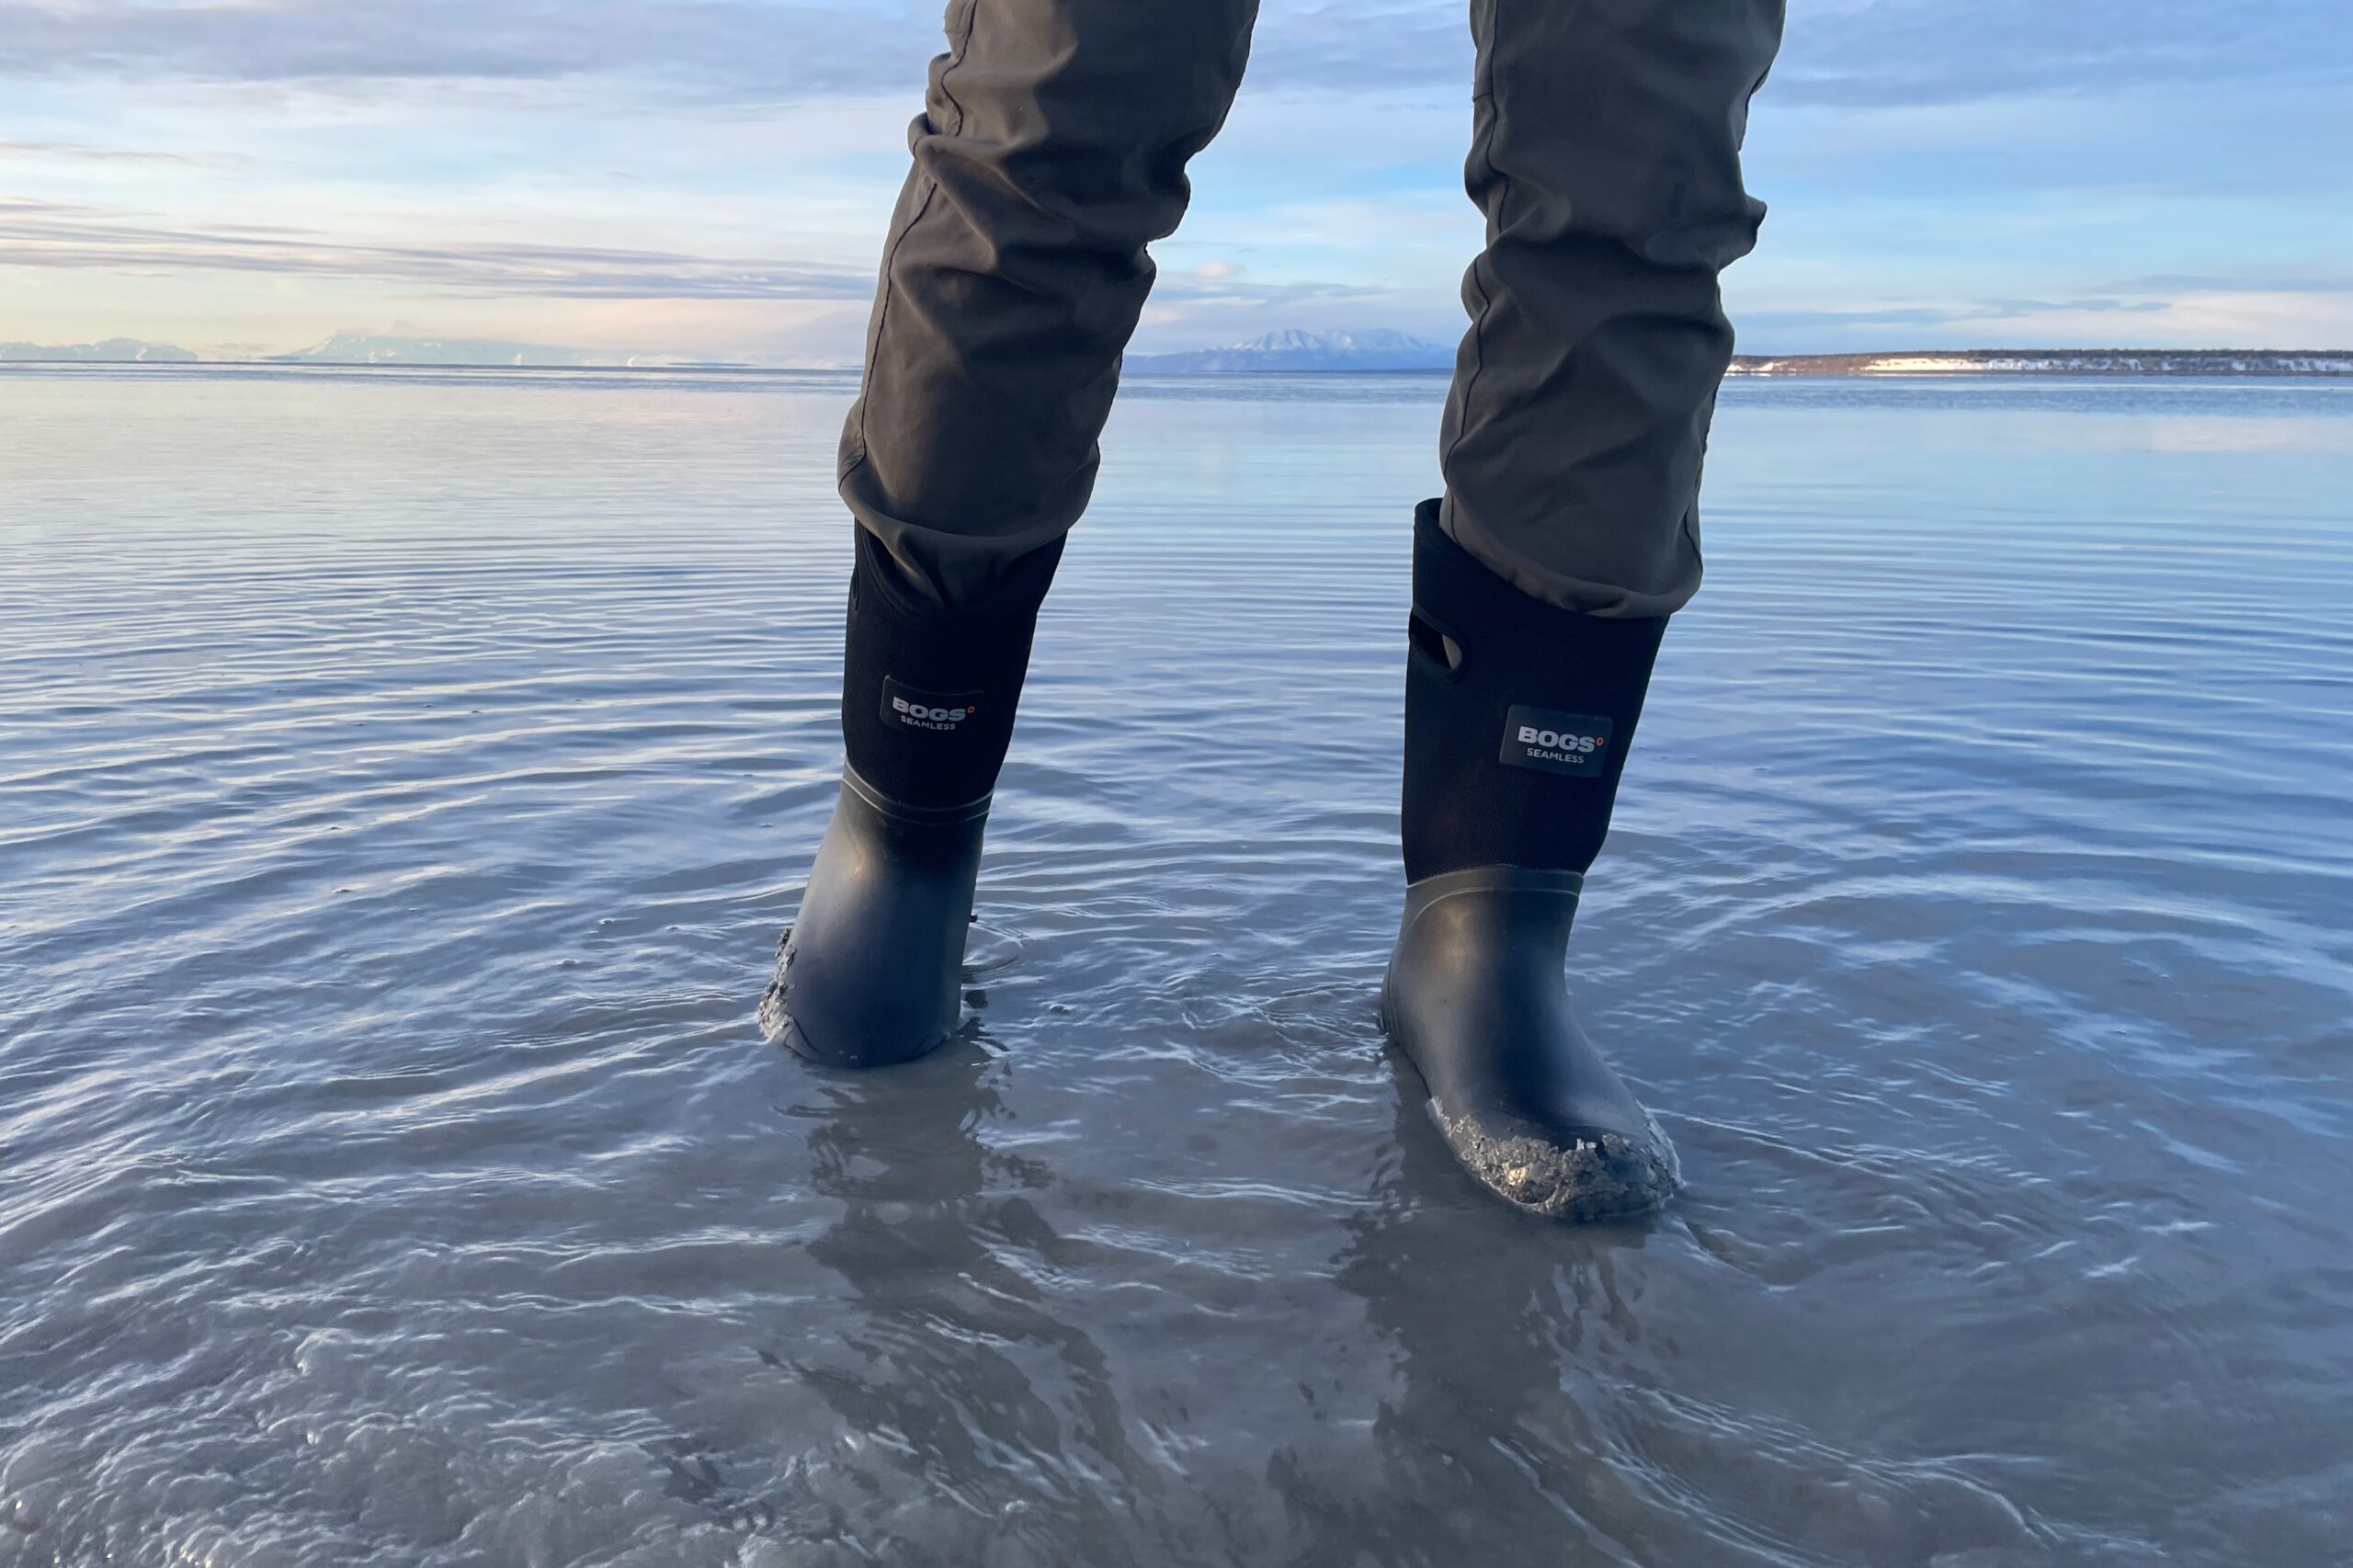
[{"x": 1052, "y": 150}]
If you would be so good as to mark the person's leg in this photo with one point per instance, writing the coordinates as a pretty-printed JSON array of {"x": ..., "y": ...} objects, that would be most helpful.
[
  {"x": 1051, "y": 152},
  {"x": 1606, "y": 154},
  {"x": 1606, "y": 157}
]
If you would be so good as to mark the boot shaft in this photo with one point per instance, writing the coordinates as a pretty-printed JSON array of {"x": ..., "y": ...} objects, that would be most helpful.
[
  {"x": 1519, "y": 715},
  {"x": 928, "y": 693}
]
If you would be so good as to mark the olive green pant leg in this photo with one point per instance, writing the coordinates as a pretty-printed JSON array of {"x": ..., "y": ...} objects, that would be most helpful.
[
  {"x": 1607, "y": 138},
  {"x": 1051, "y": 152}
]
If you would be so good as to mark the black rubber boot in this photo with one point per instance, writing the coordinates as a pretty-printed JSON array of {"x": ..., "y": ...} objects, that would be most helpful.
[
  {"x": 1518, "y": 718},
  {"x": 872, "y": 973}
]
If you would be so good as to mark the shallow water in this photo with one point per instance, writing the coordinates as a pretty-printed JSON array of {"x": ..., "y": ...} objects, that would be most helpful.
[{"x": 405, "y": 777}]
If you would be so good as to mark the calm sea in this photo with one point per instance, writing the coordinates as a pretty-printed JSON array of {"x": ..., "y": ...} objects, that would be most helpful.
[{"x": 404, "y": 776}]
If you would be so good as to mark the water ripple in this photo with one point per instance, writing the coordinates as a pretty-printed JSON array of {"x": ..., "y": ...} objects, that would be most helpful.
[{"x": 404, "y": 778}]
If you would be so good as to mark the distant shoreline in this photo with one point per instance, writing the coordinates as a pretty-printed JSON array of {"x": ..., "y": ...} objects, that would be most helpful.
[
  {"x": 2202, "y": 363},
  {"x": 2055, "y": 362}
]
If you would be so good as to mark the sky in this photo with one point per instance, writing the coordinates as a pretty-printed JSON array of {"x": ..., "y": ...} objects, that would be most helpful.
[{"x": 711, "y": 179}]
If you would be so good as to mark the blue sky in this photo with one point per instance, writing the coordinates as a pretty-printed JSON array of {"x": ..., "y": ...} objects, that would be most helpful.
[{"x": 712, "y": 177}]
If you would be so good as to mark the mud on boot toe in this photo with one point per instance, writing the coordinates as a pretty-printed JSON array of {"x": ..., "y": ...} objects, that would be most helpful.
[
  {"x": 1477, "y": 1000},
  {"x": 1587, "y": 1175}
]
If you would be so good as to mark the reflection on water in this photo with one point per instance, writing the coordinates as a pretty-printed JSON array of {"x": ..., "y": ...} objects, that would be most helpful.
[{"x": 404, "y": 778}]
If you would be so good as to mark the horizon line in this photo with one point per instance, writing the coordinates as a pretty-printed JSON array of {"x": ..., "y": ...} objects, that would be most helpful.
[{"x": 1837, "y": 357}]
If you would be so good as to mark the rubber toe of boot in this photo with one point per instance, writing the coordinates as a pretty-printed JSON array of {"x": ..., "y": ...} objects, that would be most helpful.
[
  {"x": 1584, "y": 1173},
  {"x": 872, "y": 973},
  {"x": 1476, "y": 999}
]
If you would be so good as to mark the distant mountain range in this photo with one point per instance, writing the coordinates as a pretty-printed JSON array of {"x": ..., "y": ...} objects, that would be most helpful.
[
  {"x": 362, "y": 348},
  {"x": 1279, "y": 352},
  {"x": 113, "y": 351},
  {"x": 357, "y": 348}
]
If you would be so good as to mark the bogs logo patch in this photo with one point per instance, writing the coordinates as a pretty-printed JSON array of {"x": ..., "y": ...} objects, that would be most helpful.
[
  {"x": 1575, "y": 743},
  {"x": 936, "y": 712}
]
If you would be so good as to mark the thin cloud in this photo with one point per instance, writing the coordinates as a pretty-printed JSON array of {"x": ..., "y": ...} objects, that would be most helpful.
[
  {"x": 2190, "y": 319},
  {"x": 1860, "y": 52},
  {"x": 1194, "y": 286},
  {"x": 51, "y": 235},
  {"x": 1997, "y": 308},
  {"x": 75, "y": 152},
  {"x": 726, "y": 46},
  {"x": 2286, "y": 282},
  {"x": 1932, "y": 52}
]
